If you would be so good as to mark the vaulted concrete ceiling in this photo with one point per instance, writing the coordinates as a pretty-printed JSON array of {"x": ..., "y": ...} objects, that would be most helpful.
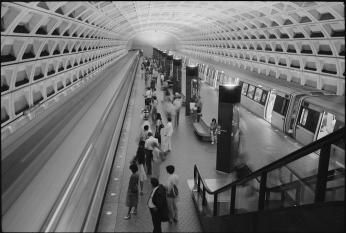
[{"x": 45, "y": 46}]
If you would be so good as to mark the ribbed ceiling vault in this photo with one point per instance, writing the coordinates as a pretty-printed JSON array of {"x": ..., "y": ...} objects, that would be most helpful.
[{"x": 45, "y": 46}]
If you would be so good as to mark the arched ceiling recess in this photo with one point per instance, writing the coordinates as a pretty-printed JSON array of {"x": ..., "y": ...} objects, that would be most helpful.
[{"x": 47, "y": 45}]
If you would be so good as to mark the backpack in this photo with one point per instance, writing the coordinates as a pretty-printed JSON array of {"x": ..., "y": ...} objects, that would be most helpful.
[{"x": 173, "y": 192}]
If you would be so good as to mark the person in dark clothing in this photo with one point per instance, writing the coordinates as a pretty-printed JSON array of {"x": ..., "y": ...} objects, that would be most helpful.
[
  {"x": 140, "y": 159},
  {"x": 158, "y": 126},
  {"x": 132, "y": 192},
  {"x": 157, "y": 204}
]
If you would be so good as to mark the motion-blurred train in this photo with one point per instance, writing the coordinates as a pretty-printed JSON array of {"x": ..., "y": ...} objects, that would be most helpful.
[{"x": 305, "y": 114}]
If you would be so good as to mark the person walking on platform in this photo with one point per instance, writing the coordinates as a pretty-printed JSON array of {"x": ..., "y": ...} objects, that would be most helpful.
[
  {"x": 157, "y": 204},
  {"x": 142, "y": 71},
  {"x": 164, "y": 139},
  {"x": 169, "y": 133},
  {"x": 213, "y": 130},
  {"x": 154, "y": 108},
  {"x": 171, "y": 112},
  {"x": 132, "y": 192},
  {"x": 162, "y": 78},
  {"x": 199, "y": 108},
  {"x": 140, "y": 160},
  {"x": 158, "y": 126},
  {"x": 149, "y": 152},
  {"x": 172, "y": 193},
  {"x": 156, "y": 161},
  {"x": 177, "y": 104}
]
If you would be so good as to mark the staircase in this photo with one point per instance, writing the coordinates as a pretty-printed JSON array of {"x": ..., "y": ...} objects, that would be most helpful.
[{"x": 260, "y": 201}]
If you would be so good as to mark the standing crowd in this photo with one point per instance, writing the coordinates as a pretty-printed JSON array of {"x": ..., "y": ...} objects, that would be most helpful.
[{"x": 154, "y": 145}]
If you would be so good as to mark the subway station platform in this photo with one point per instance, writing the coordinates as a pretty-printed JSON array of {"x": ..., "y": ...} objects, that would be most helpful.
[{"x": 264, "y": 144}]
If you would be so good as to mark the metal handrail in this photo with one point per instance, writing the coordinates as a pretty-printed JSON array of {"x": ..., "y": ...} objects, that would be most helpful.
[
  {"x": 307, "y": 181},
  {"x": 323, "y": 144},
  {"x": 280, "y": 162}
]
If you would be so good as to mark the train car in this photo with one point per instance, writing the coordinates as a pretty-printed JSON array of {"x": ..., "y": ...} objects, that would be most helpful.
[
  {"x": 274, "y": 100},
  {"x": 318, "y": 117},
  {"x": 277, "y": 101}
]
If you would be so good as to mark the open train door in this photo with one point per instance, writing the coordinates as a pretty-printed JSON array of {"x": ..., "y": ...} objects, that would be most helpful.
[{"x": 269, "y": 107}]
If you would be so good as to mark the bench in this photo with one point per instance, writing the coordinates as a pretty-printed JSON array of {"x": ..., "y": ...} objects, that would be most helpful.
[{"x": 202, "y": 130}]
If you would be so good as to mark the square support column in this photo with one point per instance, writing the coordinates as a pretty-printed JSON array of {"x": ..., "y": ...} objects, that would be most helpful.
[
  {"x": 191, "y": 81},
  {"x": 177, "y": 75},
  {"x": 168, "y": 64},
  {"x": 228, "y": 120}
]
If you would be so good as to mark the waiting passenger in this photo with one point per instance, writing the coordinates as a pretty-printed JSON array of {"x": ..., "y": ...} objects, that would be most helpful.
[
  {"x": 158, "y": 126},
  {"x": 162, "y": 78},
  {"x": 169, "y": 133},
  {"x": 132, "y": 192},
  {"x": 199, "y": 108},
  {"x": 177, "y": 104},
  {"x": 172, "y": 193},
  {"x": 157, "y": 204},
  {"x": 140, "y": 160},
  {"x": 147, "y": 98},
  {"x": 144, "y": 133},
  {"x": 149, "y": 151},
  {"x": 213, "y": 131},
  {"x": 154, "y": 108},
  {"x": 156, "y": 160}
]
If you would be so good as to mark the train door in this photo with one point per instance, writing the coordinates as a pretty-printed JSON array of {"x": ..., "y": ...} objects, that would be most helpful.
[
  {"x": 270, "y": 106},
  {"x": 292, "y": 114},
  {"x": 280, "y": 110},
  {"x": 308, "y": 121},
  {"x": 329, "y": 124}
]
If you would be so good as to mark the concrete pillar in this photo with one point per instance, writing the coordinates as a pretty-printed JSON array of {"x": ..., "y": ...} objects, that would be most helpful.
[
  {"x": 177, "y": 75},
  {"x": 164, "y": 60},
  {"x": 191, "y": 76},
  {"x": 228, "y": 120},
  {"x": 168, "y": 65}
]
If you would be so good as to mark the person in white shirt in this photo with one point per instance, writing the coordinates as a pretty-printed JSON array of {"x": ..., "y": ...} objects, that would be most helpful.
[
  {"x": 177, "y": 104},
  {"x": 147, "y": 98},
  {"x": 149, "y": 151},
  {"x": 173, "y": 179},
  {"x": 169, "y": 133},
  {"x": 156, "y": 160},
  {"x": 162, "y": 77}
]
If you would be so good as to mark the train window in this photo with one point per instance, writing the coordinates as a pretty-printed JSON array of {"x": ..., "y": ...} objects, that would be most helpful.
[
  {"x": 264, "y": 97},
  {"x": 258, "y": 94},
  {"x": 308, "y": 119},
  {"x": 244, "y": 89},
  {"x": 251, "y": 91},
  {"x": 280, "y": 105}
]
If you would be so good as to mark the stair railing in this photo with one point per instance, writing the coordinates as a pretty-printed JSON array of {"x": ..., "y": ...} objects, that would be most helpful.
[{"x": 323, "y": 144}]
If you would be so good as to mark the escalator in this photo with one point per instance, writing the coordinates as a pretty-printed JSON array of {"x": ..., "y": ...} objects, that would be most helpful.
[{"x": 276, "y": 199}]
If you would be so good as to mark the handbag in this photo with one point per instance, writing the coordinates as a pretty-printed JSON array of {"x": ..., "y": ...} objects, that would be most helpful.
[
  {"x": 173, "y": 192},
  {"x": 163, "y": 155}
]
